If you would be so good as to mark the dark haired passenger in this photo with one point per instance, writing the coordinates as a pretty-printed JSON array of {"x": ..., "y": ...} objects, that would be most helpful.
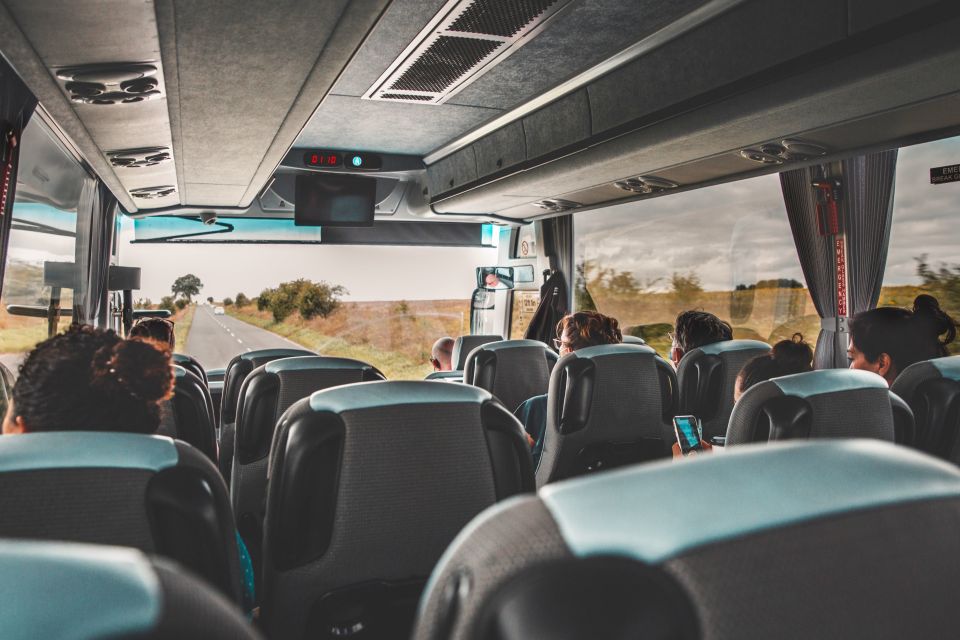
[
  {"x": 87, "y": 379},
  {"x": 786, "y": 358},
  {"x": 158, "y": 330},
  {"x": 575, "y": 331},
  {"x": 695, "y": 329},
  {"x": 887, "y": 340}
]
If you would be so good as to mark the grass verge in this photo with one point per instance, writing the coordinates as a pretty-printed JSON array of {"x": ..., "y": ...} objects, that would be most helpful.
[{"x": 183, "y": 320}]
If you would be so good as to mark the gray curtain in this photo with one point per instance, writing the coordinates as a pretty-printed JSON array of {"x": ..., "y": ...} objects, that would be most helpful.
[
  {"x": 867, "y": 206},
  {"x": 96, "y": 220},
  {"x": 868, "y": 185},
  {"x": 558, "y": 246}
]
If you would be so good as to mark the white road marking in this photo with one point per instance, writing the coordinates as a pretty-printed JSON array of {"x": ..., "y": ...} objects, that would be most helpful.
[{"x": 239, "y": 340}]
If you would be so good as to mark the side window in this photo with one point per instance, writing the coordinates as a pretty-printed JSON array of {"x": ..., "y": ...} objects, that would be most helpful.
[
  {"x": 41, "y": 280},
  {"x": 725, "y": 249},
  {"x": 924, "y": 256}
]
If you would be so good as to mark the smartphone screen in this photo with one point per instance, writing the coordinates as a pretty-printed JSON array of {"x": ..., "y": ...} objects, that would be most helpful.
[{"x": 687, "y": 429}]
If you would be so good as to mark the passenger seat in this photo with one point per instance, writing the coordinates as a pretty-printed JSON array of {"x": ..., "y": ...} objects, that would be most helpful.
[
  {"x": 833, "y": 403},
  {"x": 191, "y": 364},
  {"x": 707, "y": 377},
  {"x": 826, "y": 539},
  {"x": 236, "y": 372},
  {"x": 608, "y": 406},
  {"x": 369, "y": 483},
  {"x": 463, "y": 345},
  {"x": 932, "y": 389},
  {"x": 512, "y": 370},
  {"x": 188, "y": 416},
  {"x": 267, "y": 392},
  {"x": 147, "y": 492},
  {"x": 92, "y": 592}
]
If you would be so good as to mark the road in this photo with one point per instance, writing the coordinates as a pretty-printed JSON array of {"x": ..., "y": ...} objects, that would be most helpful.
[{"x": 215, "y": 340}]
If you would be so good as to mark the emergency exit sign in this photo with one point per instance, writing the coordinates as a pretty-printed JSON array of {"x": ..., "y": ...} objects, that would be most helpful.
[{"x": 941, "y": 175}]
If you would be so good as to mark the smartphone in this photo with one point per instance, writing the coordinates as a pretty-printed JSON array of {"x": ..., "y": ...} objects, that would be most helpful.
[{"x": 688, "y": 432}]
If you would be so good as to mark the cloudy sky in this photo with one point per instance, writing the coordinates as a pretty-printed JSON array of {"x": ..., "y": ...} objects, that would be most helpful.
[{"x": 738, "y": 233}]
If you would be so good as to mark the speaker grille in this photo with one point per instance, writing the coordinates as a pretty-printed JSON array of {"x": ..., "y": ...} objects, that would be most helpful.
[
  {"x": 459, "y": 46},
  {"x": 499, "y": 18}
]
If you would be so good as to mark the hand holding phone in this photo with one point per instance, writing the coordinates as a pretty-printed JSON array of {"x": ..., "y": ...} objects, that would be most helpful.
[{"x": 689, "y": 433}]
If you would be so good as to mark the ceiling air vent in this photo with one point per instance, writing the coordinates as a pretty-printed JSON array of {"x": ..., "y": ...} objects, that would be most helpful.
[
  {"x": 783, "y": 151},
  {"x": 120, "y": 83},
  {"x": 150, "y": 193},
  {"x": 645, "y": 184},
  {"x": 462, "y": 42},
  {"x": 556, "y": 205},
  {"x": 137, "y": 158}
]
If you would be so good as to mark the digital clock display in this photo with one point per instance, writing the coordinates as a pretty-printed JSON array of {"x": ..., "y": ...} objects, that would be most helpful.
[{"x": 322, "y": 159}]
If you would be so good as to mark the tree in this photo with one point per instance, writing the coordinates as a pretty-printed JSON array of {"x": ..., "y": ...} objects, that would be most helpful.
[
  {"x": 686, "y": 287},
  {"x": 311, "y": 299},
  {"x": 181, "y": 303},
  {"x": 241, "y": 300},
  {"x": 187, "y": 286},
  {"x": 210, "y": 299},
  {"x": 227, "y": 302},
  {"x": 264, "y": 299},
  {"x": 166, "y": 302}
]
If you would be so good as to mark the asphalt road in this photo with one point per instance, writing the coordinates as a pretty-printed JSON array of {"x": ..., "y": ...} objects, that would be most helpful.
[{"x": 215, "y": 340}]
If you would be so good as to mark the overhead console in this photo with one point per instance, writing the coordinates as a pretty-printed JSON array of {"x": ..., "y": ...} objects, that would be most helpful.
[{"x": 731, "y": 89}]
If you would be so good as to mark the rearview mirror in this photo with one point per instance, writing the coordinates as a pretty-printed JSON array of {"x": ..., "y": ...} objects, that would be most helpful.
[{"x": 495, "y": 278}]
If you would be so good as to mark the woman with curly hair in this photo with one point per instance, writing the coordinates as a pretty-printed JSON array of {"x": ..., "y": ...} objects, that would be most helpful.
[{"x": 574, "y": 331}]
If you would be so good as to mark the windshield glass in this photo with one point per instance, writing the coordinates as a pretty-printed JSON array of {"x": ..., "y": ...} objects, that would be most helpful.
[{"x": 385, "y": 305}]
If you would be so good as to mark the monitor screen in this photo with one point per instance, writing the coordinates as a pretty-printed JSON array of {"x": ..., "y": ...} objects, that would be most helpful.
[{"x": 328, "y": 200}]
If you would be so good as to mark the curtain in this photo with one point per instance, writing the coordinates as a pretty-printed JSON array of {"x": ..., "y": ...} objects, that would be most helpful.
[
  {"x": 867, "y": 210},
  {"x": 95, "y": 226},
  {"x": 816, "y": 258},
  {"x": 558, "y": 247},
  {"x": 16, "y": 107},
  {"x": 868, "y": 183}
]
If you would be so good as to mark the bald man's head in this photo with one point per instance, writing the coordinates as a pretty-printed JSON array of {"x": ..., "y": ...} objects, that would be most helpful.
[{"x": 442, "y": 354}]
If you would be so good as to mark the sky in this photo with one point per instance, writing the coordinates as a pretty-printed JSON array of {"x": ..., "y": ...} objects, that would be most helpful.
[{"x": 738, "y": 233}]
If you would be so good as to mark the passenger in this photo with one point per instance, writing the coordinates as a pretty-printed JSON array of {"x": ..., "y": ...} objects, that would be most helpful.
[
  {"x": 87, "y": 379},
  {"x": 887, "y": 340},
  {"x": 575, "y": 331},
  {"x": 786, "y": 358},
  {"x": 156, "y": 329},
  {"x": 441, "y": 356},
  {"x": 695, "y": 329}
]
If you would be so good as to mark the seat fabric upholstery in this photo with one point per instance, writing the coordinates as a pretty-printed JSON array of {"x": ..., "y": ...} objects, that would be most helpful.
[
  {"x": 369, "y": 483},
  {"x": 607, "y": 406},
  {"x": 932, "y": 390},
  {"x": 818, "y": 539},
  {"x": 512, "y": 370},
  {"x": 707, "y": 377},
  {"x": 266, "y": 394},
  {"x": 189, "y": 415},
  {"x": 148, "y": 492},
  {"x": 463, "y": 345},
  {"x": 833, "y": 403},
  {"x": 48, "y": 589}
]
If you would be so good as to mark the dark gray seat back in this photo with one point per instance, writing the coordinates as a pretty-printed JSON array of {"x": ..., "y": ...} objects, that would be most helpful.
[
  {"x": 463, "y": 345},
  {"x": 512, "y": 370},
  {"x": 833, "y": 403},
  {"x": 236, "y": 372},
  {"x": 266, "y": 394},
  {"x": 608, "y": 406},
  {"x": 369, "y": 483},
  {"x": 707, "y": 377},
  {"x": 48, "y": 589},
  {"x": 932, "y": 390},
  {"x": 864, "y": 530},
  {"x": 191, "y": 364},
  {"x": 189, "y": 416},
  {"x": 148, "y": 492}
]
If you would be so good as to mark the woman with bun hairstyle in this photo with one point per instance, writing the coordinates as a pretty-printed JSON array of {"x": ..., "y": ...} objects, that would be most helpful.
[
  {"x": 786, "y": 358},
  {"x": 86, "y": 379},
  {"x": 574, "y": 331},
  {"x": 887, "y": 340}
]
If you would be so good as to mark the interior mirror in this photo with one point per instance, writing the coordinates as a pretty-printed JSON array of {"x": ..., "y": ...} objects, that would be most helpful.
[{"x": 495, "y": 278}]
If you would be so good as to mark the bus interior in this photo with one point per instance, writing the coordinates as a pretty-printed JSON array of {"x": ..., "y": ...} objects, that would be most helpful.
[{"x": 369, "y": 176}]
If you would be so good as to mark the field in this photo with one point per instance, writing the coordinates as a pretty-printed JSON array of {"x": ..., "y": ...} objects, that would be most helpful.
[{"x": 396, "y": 337}]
